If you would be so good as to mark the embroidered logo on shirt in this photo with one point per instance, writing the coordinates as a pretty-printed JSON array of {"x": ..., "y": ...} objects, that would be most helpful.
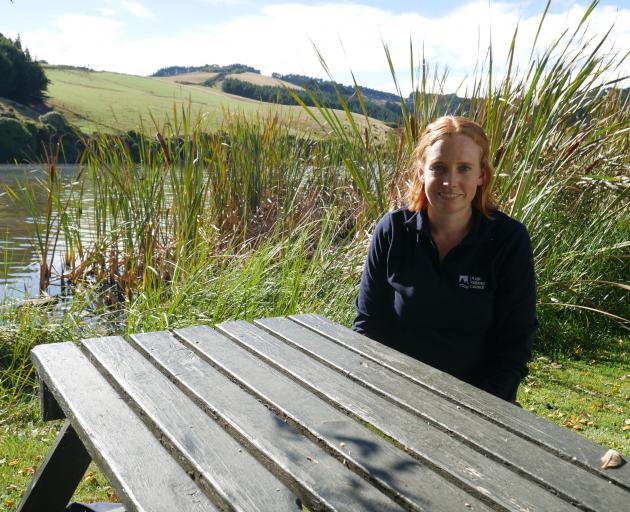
[{"x": 471, "y": 282}]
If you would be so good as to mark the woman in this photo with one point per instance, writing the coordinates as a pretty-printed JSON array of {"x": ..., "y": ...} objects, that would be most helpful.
[{"x": 449, "y": 280}]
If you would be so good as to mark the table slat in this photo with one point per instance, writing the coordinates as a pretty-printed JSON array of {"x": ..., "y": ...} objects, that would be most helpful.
[
  {"x": 117, "y": 440},
  {"x": 508, "y": 489},
  {"x": 348, "y": 439},
  {"x": 570, "y": 446},
  {"x": 322, "y": 480},
  {"x": 230, "y": 474},
  {"x": 571, "y": 481}
]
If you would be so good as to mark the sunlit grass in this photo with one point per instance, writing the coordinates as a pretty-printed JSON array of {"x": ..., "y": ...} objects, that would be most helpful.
[
  {"x": 108, "y": 102},
  {"x": 588, "y": 396}
]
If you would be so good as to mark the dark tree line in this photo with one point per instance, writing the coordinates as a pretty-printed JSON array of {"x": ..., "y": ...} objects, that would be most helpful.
[
  {"x": 330, "y": 87},
  {"x": 21, "y": 78},
  {"x": 388, "y": 112},
  {"x": 447, "y": 103}
]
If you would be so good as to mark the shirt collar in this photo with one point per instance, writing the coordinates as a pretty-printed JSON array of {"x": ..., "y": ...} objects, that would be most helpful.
[{"x": 479, "y": 230}]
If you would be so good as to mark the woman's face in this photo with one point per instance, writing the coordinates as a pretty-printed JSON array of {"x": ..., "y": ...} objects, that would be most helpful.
[{"x": 451, "y": 172}]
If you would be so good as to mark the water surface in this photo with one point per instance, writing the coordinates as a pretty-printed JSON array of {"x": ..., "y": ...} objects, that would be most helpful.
[{"x": 19, "y": 256}]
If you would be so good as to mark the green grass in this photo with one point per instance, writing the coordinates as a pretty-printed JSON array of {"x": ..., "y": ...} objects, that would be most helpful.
[
  {"x": 115, "y": 102},
  {"x": 97, "y": 101},
  {"x": 24, "y": 443},
  {"x": 589, "y": 397}
]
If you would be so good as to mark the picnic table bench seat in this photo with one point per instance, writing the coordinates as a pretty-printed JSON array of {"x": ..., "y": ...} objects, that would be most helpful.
[{"x": 284, "y": 413}]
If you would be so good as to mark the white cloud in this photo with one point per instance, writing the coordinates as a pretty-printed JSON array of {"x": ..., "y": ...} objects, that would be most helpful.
[
  {"x": 78, "y": 40},
  {"x": 106, "y": 11},
  {"x": 228, "y": 2},
  {"x": 137, "y": 9},
  {"x": 278, "y": 38}
]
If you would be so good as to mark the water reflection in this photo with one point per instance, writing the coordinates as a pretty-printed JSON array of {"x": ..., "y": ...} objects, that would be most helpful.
[{"x": 19, "y": 259}]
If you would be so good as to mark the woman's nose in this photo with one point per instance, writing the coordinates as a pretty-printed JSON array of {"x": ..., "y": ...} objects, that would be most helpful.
[{"x": 447, "y": 179}]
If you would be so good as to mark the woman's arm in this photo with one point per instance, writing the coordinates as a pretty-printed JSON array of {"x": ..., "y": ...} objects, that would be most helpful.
[
  {"x": 512, "y": 335},
  {"x": 373, "y": 317}
]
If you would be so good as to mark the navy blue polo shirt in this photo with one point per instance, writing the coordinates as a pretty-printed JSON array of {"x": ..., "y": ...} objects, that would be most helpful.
[{"x": 471, "y": 315}]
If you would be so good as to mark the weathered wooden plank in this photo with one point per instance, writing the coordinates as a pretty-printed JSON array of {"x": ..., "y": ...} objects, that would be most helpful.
[
  {"x": 59, "y": 474},
  {"x": 321, "y": 480},
  {"x": 231, "y": 475},
  {"x": 499, "y": 483},
  {"x": 573, "y": 482},
  {"x": 359, "y": 447},
  {"x": 143, "y": 474},
  {"x": 575, "y": 448}
]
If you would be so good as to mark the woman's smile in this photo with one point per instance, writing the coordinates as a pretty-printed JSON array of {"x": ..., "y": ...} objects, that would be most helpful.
[{"x": 449, "y": 195}]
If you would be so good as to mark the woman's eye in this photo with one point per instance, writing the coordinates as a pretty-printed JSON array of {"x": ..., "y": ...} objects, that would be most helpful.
[
  {"x": 437, "y": 168},
  {"x": 465, "y": 168}
]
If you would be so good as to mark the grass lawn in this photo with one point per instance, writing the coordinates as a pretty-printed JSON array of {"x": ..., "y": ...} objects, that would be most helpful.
[
  {"x": 588, "y": 396},
  {"x": 591, "y": 397},
  {"x": 24, "y": 443}
]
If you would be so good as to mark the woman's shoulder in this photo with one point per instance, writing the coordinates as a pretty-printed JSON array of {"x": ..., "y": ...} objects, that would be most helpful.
[
  {"x": 502, "y": 223},
  {"x": 395, "y": 220},
  {"x": 506, "y": 230}
]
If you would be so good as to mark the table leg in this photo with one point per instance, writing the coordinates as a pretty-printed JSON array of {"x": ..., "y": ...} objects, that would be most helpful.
[{"x": 59, "y": 475}]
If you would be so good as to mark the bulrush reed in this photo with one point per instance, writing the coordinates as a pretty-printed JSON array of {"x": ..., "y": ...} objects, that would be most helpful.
[
  {"x": 193, "y": 226},
  {"x": 561, "y": 143}
]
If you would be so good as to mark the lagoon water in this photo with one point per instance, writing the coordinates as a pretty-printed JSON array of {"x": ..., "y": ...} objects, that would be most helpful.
[{"x": 19, "y": 258}]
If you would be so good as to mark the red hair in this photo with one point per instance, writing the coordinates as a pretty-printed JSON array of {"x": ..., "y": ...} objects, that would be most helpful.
[{"x": 438, "y": 130}]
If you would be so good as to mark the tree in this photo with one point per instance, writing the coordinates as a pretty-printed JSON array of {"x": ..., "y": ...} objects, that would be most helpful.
[
  {"x": 21, "y": 78},
  {"x": 7, "y": 75}
]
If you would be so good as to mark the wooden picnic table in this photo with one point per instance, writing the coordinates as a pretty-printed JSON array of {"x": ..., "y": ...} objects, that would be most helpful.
[{"x": 298, "y": 411}]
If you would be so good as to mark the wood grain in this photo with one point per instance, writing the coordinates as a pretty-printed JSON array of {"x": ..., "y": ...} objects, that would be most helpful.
[
  {"x": 573, "y": 482},
  {"x": 472, "y": 468},
  {"x": 143, "y": 474},
  {"x": 323, "y": 482},
  {"x": 230, "y": 475},
  {"x": 350, "y": 441},
  {"x": 568, "y": 445}
]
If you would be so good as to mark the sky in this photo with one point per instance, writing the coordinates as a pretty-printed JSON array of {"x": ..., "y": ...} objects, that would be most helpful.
[{"x": 141, "y": 36}]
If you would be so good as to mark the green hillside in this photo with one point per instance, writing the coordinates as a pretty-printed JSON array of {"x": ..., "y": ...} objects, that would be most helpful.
[{"x": 114, "y": 102}]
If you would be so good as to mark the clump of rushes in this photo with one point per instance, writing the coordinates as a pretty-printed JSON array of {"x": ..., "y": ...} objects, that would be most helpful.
[
  {"x": 149, "y": 207},
  {"x": 559, "y": 136},
  {"x": 252, "y": 220}
]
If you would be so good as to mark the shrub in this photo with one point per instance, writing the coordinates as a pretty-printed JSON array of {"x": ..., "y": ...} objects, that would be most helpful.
[
  {"x": 16, "y": 141},
  {"x": 56, "y": 120}
]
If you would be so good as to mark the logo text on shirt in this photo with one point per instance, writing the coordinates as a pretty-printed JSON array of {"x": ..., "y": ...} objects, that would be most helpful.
[{"x": 471, "y": 282}]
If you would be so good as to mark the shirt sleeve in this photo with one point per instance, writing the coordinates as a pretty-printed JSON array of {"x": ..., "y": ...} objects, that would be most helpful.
[
  {"x": 512, "y": 334},
  {"x": 373, "y": 303}
]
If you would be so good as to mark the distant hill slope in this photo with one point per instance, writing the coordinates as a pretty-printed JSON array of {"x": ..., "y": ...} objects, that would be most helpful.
[
  {"x": 208, "y": 68},
  {"x": 194, "y": 77},
  {"x": 199, "y": 77},
  {"x": 113, "y": 102},
  {"x": 247, "y": 82}
]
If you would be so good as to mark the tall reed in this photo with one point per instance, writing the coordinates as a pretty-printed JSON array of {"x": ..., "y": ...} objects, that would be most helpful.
[
  {"x": 252, "y": 220},
  {"x": 559, "y": 136}
]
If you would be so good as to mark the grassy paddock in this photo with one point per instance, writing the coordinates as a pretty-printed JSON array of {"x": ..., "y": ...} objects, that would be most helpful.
[
  {"x": 254, "y": 221},
  {"x": 113, "y": 102}
]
